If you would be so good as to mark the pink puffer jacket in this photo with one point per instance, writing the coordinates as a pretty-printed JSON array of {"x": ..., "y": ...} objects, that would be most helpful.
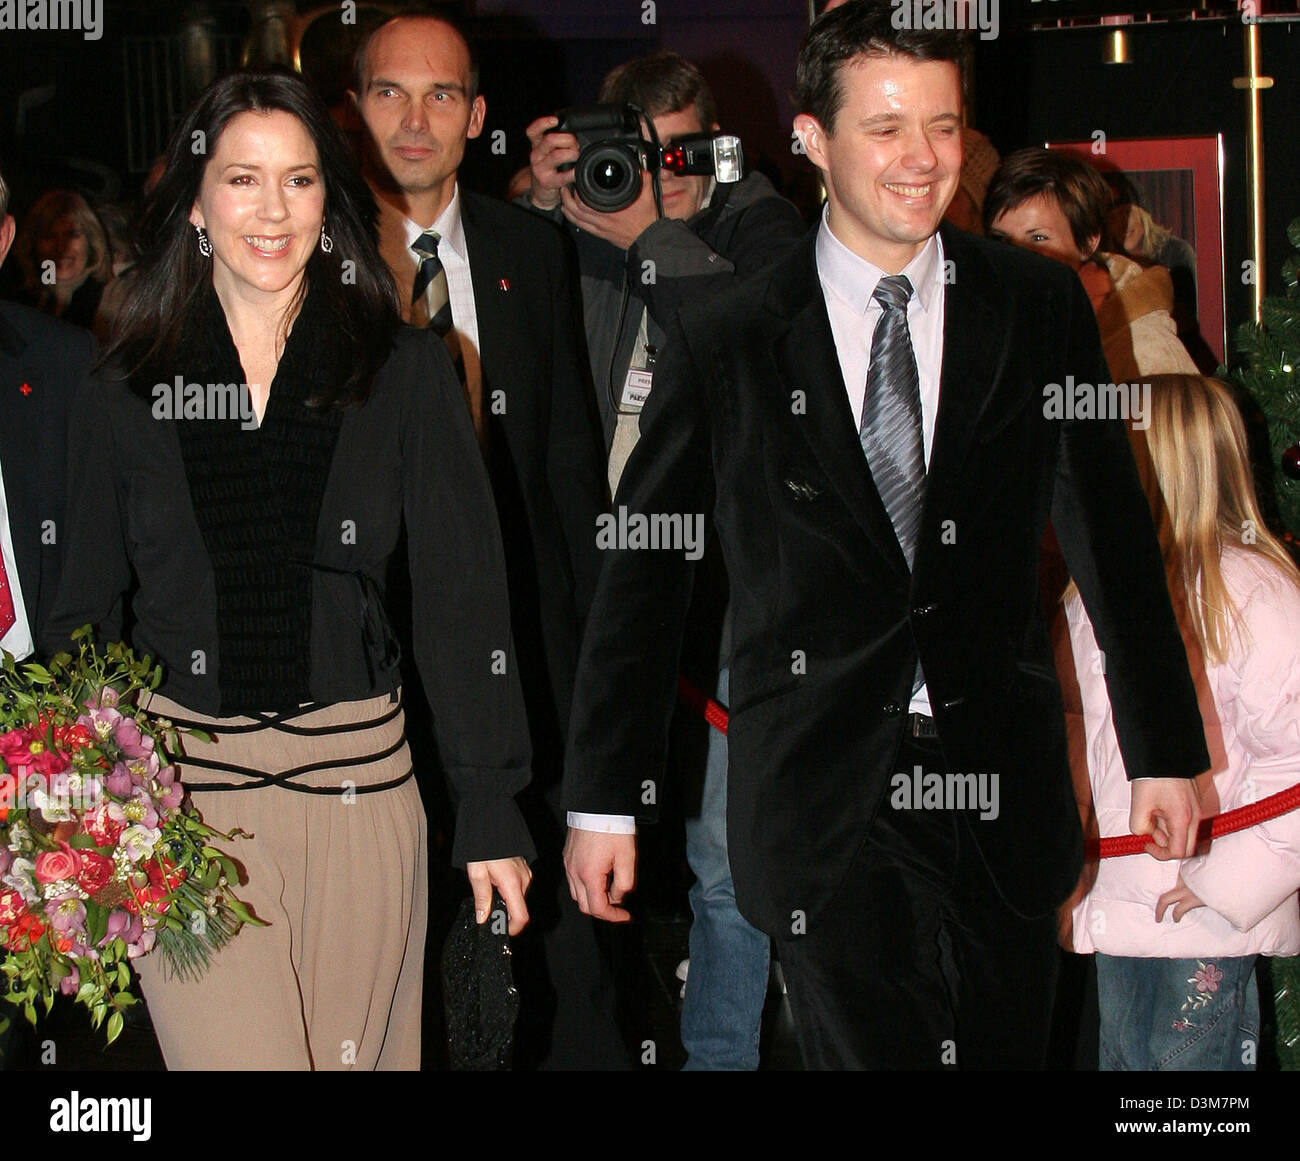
[{"x": 1248, "y": 880}]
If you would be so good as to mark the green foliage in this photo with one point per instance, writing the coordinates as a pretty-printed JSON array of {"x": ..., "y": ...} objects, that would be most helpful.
[
  {"x": 1283, "y": 978},
  {"x": 1269, "y": 372}
]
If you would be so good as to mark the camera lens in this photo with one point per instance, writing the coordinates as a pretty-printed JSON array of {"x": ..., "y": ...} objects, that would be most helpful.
[{"x": 608, "y": 176}]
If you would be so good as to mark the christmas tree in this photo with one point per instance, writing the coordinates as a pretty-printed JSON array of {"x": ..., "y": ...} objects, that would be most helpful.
[{"x": 1270, "y": 376}]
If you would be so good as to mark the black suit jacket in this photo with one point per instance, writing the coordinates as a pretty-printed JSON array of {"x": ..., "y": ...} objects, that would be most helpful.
[
  {"x": 42, "y": 363},
  {"x": 544, "y": 445},
  {"x": 750, "y": 424},
  {"x": 545, "y": 455}
]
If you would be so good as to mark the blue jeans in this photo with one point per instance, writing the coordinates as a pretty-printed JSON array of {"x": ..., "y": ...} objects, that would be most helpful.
[
  {"x": 727, "y": 981},
  {"x": 1178, "y": 1015}
]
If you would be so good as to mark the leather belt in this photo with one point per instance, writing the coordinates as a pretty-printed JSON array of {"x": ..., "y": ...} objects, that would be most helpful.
[{"x": 921, "y": 726}]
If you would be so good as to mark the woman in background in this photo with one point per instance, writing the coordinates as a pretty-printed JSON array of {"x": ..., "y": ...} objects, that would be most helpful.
[
  {"x": 1047, "y": 201},
  {"x": 65, "y": 256}
]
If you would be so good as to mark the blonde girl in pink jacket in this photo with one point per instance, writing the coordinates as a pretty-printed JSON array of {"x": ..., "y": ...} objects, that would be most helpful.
[{"x": 1176, "y": 941}]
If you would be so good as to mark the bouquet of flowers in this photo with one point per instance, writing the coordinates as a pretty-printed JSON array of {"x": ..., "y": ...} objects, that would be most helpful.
[{"x": 100, "y": 859}]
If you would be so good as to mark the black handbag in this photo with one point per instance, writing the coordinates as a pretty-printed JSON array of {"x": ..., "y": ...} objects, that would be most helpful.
[{"x": 479, "y": 995}]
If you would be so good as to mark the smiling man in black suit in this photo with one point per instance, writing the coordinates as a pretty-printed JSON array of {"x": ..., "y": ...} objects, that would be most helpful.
[
  {"x": 500, "y": 285},
  {"x": 864, "y": 426}
]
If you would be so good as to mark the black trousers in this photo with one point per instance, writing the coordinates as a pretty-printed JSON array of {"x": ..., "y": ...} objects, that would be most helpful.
[{"x": 918, "y": 963}]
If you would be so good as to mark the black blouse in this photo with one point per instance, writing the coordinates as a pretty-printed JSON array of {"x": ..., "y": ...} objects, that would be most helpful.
[{"x": 408, "y": 454}]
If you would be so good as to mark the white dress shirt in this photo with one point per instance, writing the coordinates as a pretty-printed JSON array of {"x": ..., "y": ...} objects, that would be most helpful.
[
  {"x": 397, "y": 234},
  {"x": 848, "y": 283},
  {"x": 454, "y": 256},
  {"x": 18, "y": 640}
]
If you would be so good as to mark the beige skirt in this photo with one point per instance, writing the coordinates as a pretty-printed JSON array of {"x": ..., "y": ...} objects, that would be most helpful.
[{"x": 335, "y": 980}]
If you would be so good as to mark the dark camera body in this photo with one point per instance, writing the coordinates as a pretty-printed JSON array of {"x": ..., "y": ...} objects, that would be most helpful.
[
  {"x": 608, "y": 170},
  {"x": 613, "y": 152}
]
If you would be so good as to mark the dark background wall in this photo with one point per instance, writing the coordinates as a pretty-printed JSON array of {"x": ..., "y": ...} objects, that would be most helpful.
[{"x": 92, "y": 113}]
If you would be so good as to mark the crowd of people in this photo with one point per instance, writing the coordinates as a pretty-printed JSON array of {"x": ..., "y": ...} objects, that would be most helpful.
[{"x": 912, "y": 564}]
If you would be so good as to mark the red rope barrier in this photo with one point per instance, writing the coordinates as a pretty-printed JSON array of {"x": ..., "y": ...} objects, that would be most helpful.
[
  {"x": 1274, "y": 805},
  {"x": 1283, "y": 802},
  {"x": 711, "y": 711}
]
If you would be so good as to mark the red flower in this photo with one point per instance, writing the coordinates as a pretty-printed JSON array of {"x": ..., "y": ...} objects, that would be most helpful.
[
  {"x": 49, "y": 760},
  {"x": 27, "y": 930},
  {"x": 102, "y": 828},
  {"x": 12, "y": 908},
  {"x": 162, "y": 877},
  {"x": 8, "y": 793},
  {"x": 164, "y": 873},
  {"x": 75, "y": 737},
  {"x": 15, "y": 747},
  {"x": 95, "y": 873}
]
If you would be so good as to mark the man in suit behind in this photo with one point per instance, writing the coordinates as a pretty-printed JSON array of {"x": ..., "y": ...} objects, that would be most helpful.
[
  {"x": 42, "y": 363},
  {"x": 865, "y": 428},
  {"x": 502, "y": 287}
]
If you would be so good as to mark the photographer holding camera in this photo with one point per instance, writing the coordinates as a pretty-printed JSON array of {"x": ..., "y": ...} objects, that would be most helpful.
[{"x": 640, "y": 266}]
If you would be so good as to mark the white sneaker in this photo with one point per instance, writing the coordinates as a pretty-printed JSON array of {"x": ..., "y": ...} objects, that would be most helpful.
[{"x": 682, "y": 969}]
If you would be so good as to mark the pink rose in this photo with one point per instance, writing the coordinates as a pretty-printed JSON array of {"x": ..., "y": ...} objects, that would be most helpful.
[{"x": 55, "y": 865}]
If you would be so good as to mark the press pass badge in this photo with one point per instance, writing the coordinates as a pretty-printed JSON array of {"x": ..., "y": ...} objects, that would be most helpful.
[{"x": 636, "y": 388}]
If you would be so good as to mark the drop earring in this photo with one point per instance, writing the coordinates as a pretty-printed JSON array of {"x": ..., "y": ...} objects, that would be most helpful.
[
  {"x": 205, "y": 246},
  {"x": 326, "y": 242}
]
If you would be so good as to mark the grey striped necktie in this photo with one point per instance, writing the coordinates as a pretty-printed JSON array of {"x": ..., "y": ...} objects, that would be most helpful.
[{"x": 891, "y": 420}]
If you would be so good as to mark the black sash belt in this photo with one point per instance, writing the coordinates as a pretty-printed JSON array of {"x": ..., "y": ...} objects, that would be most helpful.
[{"x": 284, "y": 778}]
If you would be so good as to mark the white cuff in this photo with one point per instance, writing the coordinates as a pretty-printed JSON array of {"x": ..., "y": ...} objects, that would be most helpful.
[{"x": 605, "y": 823}]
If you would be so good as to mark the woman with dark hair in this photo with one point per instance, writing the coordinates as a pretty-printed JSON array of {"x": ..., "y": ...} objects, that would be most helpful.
[
  {"x": 1044, "y": 200},
  {"x": 263, "y": 430},
  {"x": 65, "y": 256}
]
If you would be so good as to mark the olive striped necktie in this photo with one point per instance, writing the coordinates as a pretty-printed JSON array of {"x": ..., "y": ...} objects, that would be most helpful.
[
  {"x": 431, "y": 298},
  {"x": 431, "y": 307}
]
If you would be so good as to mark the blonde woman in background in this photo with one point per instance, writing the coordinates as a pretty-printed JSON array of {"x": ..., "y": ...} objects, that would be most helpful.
[
  {"x": 65, "y": 256},
  {"x": 1177, "y": 941},
  {"x": 1136, "y": 233}
]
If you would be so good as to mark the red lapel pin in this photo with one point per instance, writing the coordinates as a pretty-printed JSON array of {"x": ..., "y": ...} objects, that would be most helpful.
[
  {"x": 26, "y": 388},
  {"x": 503, "y": 283}
]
